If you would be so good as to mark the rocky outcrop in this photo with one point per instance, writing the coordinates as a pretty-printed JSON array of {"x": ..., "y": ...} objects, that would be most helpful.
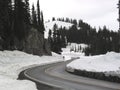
[{"x": 36, "y": 44}]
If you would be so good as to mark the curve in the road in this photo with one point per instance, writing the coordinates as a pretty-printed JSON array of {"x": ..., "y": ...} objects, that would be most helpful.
[{"x": 56, "y": 76}]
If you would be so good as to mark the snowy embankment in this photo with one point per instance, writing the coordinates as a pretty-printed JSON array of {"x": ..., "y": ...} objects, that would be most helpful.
[
  {"x": 109, "y": 64},
  {"x": 13, "y": 62}
]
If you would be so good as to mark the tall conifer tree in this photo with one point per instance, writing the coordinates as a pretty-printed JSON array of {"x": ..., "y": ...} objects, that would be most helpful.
[
  {"x": 38, "y": 13},
  {"x": 34, "y": 17},
  {"x": 42, "y": 23}
]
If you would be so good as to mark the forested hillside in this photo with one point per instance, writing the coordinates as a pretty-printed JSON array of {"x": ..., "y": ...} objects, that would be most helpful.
[
  {"x": 20, "y": 29},
  {"x": 99, "y": 41}
]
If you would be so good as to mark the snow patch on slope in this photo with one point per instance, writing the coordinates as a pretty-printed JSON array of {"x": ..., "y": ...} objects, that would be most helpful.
[
  {"x": 59, "y": 24},
  {"x": 68, "y": 54},
  {"x": 49, "y": 25}
]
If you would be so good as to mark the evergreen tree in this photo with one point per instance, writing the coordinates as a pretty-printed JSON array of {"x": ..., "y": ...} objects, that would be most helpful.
[
  {"x": 40, "y": 19},
  {"x": 38, "y": 13},
  {"x": 27, "y": 12},
  {"x": 54, "y": 47},
  {"x": 42, "y": 23},
  {"x": 59, "y": 42},
  {"x": 50, "y": 39},
  {"x": 34, "y": 17},
  {"x": 53, "y": 19},
  {"x": 74, "y": 22}
]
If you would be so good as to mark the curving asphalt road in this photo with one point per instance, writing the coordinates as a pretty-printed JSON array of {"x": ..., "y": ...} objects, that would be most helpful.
[{"x": 55, "y": 75}]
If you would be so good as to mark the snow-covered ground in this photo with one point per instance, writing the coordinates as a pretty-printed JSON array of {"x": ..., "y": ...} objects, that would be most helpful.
[
  {"x": 49, "y": 25},
  {"x": 73, "y": 50},
  {"x": 108, "y": 64},
  {"x": 13, "y": 62}
]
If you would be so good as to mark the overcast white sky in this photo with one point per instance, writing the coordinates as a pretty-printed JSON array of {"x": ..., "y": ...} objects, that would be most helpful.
[{"x": 95, "y": 12}]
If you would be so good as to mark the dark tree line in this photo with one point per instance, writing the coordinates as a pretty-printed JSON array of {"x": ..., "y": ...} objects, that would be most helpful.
[
  {"x": 16, "y": 20},
  {"x": 57, "y": 39},
  {"x": 99, "y": 42}
]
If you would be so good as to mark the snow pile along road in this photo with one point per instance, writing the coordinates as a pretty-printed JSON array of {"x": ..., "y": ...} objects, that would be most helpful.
[
  {"x": 13, "y": 62},
  {"x": 108, "y": 63}
]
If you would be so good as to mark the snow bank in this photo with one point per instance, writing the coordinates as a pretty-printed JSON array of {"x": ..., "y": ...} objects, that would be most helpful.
[
  {"x": 13, "y": 62},
  {"x": 108, "y": 63},
  {"x": 6, "y": 83}
]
